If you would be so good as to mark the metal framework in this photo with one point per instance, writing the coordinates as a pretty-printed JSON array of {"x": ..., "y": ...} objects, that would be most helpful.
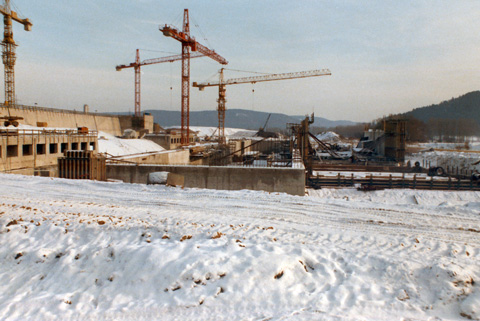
[
  {"x": 222, "y": 83},
  {"x": 188, "y": 43},
  {"x": 137, "y": 64},
  {"x": 8, "y": 52}
]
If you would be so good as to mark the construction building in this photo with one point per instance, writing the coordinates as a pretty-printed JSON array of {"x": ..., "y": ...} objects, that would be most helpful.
[
  {"x": 388, "y": 143},
  {"x": 27, "y": 151},
  {"x": 170, "y": 138}
]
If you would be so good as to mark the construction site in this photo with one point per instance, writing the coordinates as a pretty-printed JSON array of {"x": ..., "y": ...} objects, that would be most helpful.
[{"x": 64, "y": 143}]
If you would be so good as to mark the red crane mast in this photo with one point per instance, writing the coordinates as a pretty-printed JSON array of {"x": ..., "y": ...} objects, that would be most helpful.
[{"x": 188, "y": 43}]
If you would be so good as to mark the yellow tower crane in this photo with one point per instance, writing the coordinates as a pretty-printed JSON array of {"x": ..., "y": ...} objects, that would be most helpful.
[
  {"x": 222, "y": 83},
  {"x": 9, "y": 57}
]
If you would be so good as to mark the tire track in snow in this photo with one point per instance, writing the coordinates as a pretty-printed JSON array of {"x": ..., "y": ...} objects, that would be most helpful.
[{"x": 303, "y": 214}]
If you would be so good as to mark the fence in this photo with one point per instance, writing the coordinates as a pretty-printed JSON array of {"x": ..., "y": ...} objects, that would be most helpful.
[
  {"x": 43, "y": 132},
  {"x": 379, "y": 182},
  {"x": 52, "y": 110}
]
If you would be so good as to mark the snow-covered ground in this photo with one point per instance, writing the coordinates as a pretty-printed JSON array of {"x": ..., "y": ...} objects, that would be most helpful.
[
  {"x": 473, "y": 145},
  {"x": 114, "y": 251},
  {"x": 203, "y": 131},
  {"x": 462, "y": 160},
  {"x": 329, "y": 137},
  {"x": 115, "y": 146}
]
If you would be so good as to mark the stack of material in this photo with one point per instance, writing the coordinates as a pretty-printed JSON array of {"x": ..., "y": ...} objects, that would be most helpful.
[{"x": 77, "y": 164}]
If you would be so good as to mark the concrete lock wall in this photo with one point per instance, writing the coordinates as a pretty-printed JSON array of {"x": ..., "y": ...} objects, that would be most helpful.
[
  {"x": 168, "y": 157},
  {"x": 282, "y": 180},
  {"x": 65, "y": 119}
]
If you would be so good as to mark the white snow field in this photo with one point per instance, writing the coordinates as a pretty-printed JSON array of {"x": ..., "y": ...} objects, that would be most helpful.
[
  {"x": 115, "y": 146},
  {"x": 85, "y": 250}
]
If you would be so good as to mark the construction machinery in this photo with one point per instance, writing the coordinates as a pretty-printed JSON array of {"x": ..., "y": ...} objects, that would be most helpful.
[
  {"x": 137, "y": 64},
  {"x": 188, "y": 43},
  {"x": 222, "y": 83},
  {"x": 9, "y": 57}
]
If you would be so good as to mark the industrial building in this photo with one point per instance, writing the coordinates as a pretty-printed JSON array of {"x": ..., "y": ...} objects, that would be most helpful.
[{"x": 28, "y": 150}]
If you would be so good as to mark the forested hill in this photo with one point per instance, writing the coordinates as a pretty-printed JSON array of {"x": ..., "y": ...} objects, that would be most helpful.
[
  {"x": 238, "y": 118},
  {"x": 463, "y": 107}
]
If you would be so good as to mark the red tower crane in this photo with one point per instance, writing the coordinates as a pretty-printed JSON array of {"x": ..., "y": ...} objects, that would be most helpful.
[
  {"x": 221, "y": 83},
  {"x": 137, "y": 64},
  {"x": 188, "y": 43}
]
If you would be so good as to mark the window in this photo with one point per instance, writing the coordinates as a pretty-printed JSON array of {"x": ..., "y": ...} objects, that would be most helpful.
[
  {"x": 74, "y": 146},
  {"x": 12, "y": 151},
  {"x": 27, "y": 149},
  {"x": 63, "y": 147},
  {"x": 84, "y": 145},
  {"x": 40, "y": 149},
  {"x": 92, "y": 145},
  {"x": 53, "y": 148}
]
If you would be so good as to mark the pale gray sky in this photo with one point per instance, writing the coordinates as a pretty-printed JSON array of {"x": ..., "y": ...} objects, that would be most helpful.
[{"x": 385, "y": 56}]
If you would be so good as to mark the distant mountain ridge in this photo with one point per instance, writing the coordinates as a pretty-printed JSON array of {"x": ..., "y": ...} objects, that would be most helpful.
[
  {"x": 238, "y": 118},
  {"x": 463, "y": 107}
]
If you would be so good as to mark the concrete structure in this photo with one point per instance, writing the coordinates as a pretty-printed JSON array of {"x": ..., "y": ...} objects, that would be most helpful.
[
  {"x": 170, "y": 138},
  {"x": 373, "y": 140},
  {"x": 61, "y": 118},
  {"x": 389, "y": 143},
  {"x": 178, "y": 157},
  {"x": 140, "y": 124},
  {"x": 281, "y": 180},
  {"x": 27, "y": 150},
  {"x": 395, "y": 139}
]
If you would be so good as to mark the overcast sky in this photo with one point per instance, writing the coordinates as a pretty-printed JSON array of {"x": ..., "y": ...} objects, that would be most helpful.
[{"x": 385, "y": 56}]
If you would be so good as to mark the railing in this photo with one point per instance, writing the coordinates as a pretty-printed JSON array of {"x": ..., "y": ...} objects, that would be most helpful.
[
  {"x": 380, "y": 182},
  {"x": 40, "y": 132},
  {"x": 52, "y": 110}
]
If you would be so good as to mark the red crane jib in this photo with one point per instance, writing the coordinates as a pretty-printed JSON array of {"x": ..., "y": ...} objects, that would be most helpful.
[{"x": 192, "y": 43}]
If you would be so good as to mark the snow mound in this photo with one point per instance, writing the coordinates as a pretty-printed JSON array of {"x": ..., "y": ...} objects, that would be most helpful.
[
  {"x": 329, "y": 137},
  {"x": 115, "y": 146},
  {"x": 147, "y": 252},
  {"x": 229, "y": 132}
]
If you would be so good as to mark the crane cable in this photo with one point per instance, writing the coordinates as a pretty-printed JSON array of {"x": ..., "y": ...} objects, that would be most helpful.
[
  {"x": 247, "y": 71},
  {"x": 195, "y": 23},
  {"x": 253, "y": 96},
  {"x": 171, "y": 87},
  {"x": 151, "y": 50}
]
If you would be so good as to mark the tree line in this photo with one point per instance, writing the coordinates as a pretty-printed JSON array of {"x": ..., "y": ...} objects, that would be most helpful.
[{"x": 435, "y": 129}]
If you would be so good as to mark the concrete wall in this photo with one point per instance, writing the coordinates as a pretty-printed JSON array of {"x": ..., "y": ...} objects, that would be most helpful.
[
  {"x": 136, "y": 123},
  {"x": 64, "y": 119},
  {"x": 181, "y": 156},
  {"x": 282, "y": 180}
]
